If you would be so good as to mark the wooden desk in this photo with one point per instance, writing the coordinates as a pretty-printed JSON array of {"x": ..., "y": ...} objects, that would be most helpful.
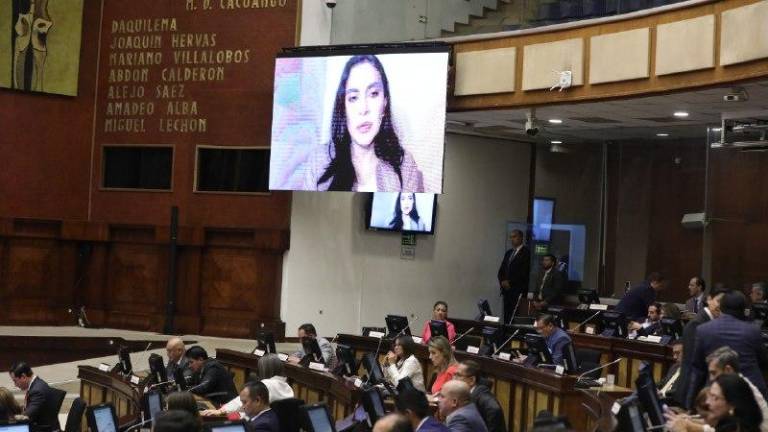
[
  {"x": 98, "y": 387},
  {"x": 310, "y": 385},
  {"x": 521, "y": 391}
]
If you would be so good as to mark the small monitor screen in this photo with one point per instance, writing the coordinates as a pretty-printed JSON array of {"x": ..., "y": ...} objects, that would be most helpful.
[
  {"x": 154, "y": 404},
  {"x": 14, "y": 428},
  {"x": 229, "y": 428},
  {"x": 378, "y": 405},
  {"x": 319, "y": 419},
  {"x": 334, "y": 106},
  {"x": 105, "y": 421},
  {"x": 403, "y": 212}
]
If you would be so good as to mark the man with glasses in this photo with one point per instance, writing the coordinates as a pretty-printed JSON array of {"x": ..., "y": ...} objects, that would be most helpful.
[
  {"x": 555, "y": 337},
  {"x": 480, "y": 393}
]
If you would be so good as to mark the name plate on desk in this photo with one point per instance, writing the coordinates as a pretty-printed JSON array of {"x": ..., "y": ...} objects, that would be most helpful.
[
  {"x": 589, "y": 330},
  {"x": 104, "y": 367},
  {"x": 317, "y": 366},
  {"x": 375, "y": 334},
  {"x": 282, "y": 357},
  {"x": 600, "y": 307},
  {"x": 473, "y": 349},
  {"x": 489, "y": 318},
  {"x": 559, "y": 369},
  {"x": 616, "y": 408},
  {"x": 417, "y": 339},
  {"x": 135, "y": 380},
  {"x": 505, "y": 356},
  {"x": 358, "y": 382},
  {"x": 653, "y": 339},
  {"x": 258, "y": 352}
]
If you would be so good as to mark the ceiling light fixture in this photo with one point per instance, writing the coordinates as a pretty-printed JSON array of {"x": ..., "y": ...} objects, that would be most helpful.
[
  {"x": 555, "y": 121},
  {"x": 680, "y": 114},
  {"x": 662, "y": 135},
  {"x": 555, "y": 142}
]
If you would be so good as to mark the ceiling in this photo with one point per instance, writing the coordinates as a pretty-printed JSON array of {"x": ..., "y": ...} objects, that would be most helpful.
[{"x": 617, "y": 120}]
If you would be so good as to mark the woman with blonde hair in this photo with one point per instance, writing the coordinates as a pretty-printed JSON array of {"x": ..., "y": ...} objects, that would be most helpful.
[
  {"x": 8, "y": 405},
  {"x": 441, "y": 355}
]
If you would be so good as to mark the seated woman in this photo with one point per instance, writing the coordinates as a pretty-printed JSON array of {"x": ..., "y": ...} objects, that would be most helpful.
[
  {"x": 183, "y": 401},
  {"x": 439, "y": 313},
  {"x": 8, "y": 406},
  {"x": 401, "y": 363},
  {"x": 441, "y": 355},
  {"x": 732, "y": 407}
]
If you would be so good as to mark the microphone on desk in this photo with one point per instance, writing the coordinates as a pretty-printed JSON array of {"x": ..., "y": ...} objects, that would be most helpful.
[
  {"x": 153, "y": 386},
  {"x": 138, "y": 425},
  {"x": 599, "y": 368},
  {"x": 585, "y": 321},
  {"x": 462, "y": 335},
  {"x": 505, "y": 342},
  {"x": 514, "y": 311}
]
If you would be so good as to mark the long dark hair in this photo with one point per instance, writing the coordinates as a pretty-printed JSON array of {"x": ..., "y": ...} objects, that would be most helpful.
[
  {"x": 386, "y": 144},
  {"x": 746, "y": 412},
  {"x": 397, "y": 221}
]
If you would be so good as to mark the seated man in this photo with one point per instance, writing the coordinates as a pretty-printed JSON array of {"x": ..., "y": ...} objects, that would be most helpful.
[
  {"x": 487, "y": 405},
  {"x": 308, "y": 332},
  {"x": 725, "y": 360},
  {"x": 41, "y": 405},
  {"x": 211, "y": 380},
  {"x": 456, "y": 407},
  {"x": 176, "y": 359},
  {"x": 255, "y": 400},
  {"x": 414, "y": 406},
  {"x": 650, "y": 326},
  {"x": 668, "y": 384},
  {"x": 550, "y": 284},
  {"x": 393, "y": 423},
  {"x": 554, "y": 336}
]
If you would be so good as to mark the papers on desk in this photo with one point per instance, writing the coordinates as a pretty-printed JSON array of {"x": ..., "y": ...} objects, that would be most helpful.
[
  {"x": 317, "y": 366},
  {"x": 282, "y": 357},
  {"x": 473, "y": 349},
  {"x": 600, "y": 307},
  {"x": 652, "y": 339},
  {"x": 259, "y": 352},
  {"x": 135, "y": 380}
]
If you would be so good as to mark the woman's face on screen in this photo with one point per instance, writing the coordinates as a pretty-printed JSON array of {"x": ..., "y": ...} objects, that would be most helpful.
[
  {"x": 364, "y": 101},
  {"x": 406, "y": 203}
]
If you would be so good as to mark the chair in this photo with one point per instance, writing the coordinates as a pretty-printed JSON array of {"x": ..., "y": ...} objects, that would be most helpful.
[
  {"x": 588, "y": 359},
  {"x": 287, "y": 411},
  {"x": 75, "y": 416}
]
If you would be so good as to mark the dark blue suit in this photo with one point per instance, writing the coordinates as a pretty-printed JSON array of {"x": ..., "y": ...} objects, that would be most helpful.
[
  {"x": 689, "y": 341},
  {"x": 634, "y": 304},
  {"x": 266, "y": 421},
  {"x": 432, "y": 425},
  {"x": 556, "y": 342},
  {"x": 741, "y": 336}
]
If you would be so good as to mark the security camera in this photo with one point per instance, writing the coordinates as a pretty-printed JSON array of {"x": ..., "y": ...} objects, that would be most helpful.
[
  {"x": 531, "y": 125},
  {"x": 330, "y": 3}
]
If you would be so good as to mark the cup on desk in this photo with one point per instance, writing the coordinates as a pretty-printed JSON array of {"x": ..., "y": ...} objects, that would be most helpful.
[{"x": 610, "y": 379}]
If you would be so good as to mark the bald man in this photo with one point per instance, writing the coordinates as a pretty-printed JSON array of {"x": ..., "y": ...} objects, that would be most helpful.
[
  {"x": 175, "y": 349},
  {"x": 393, "y": 423},
  {"x": 456, "y": 407}
]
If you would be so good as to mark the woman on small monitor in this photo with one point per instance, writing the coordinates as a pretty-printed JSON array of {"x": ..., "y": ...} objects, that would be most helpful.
[
  {"x": 406, "y": 216},
  {"x": 402, "y": 363},
  {"x": 439, "y": 313},
  {"x": 441, "y": 355},
  {"x": 9, "y": 408},
  {"x": 365, "y": 154}
]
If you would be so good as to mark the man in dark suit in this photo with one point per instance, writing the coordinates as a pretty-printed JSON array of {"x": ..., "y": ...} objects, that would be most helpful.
[
  {"x": 634, "y": 304},
  {"x": 668, "y": 384},
  {"x": 514, "y": 273},
  {"x": 480, "y": 393},
  {"x": 41, "y": 406},
  {"x": 732, "y": 330},
  {"x": 706, "y": 314},
  {"x": 696, "y": 287},
  {"x": 414, "y": 406},
  {"x": 255, "y": 399},
  {"x": 211, "y": 379},
  {"x": 549, "y": 285},
  {"x": 393, "y": 423},
  {"x": 176, "y": 359},
  {"x": 456, "y": 407},
  {"x": 758, "y": 293}
]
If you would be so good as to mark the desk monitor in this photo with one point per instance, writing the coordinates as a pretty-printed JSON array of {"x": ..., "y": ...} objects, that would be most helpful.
[
  {"x": 614, "y": 324},
  {"x": 484, "y": 309},
  {"x": 347, "y": 363},
  {"x": 405, "y": 384},
  {"x": 227, "y": 426},
  {"x": 266, "y": 341},
  {"x": 759, "y": 313},
  {"x": 181, "y": 381},
  {"x": 157, "y": 368},
  {"x": 588, "y": 297},
  {"x": 14, "y": 426},
  {"x": 493, "y": 337},
  {"x": 397, "y": 325},
  {"x": 102, "y": 418},
  {"x": 649, "y": 399},
  {"x": 373, "y": 369},
  {"x": 151, "y": 404},
  {"x": 438, "y": 328},
  {"x": 673, "y": 328},
  {"x": 537, "y": 350},
  {"x": 630, "y": 416},
  {"x": 558, "y": 313},
  {"x": 317, "y": 418},
  {"x": 570, "y": 360},
  {"x": 373, "y": 404},
  {"x": 312, "y": 351},
  {"x": 125, "y": 361}
]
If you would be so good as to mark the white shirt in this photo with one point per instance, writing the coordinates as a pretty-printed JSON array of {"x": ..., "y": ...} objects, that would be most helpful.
[
  {"x": 278, "y": 389},
  {"x": 410, "y": 368},
  {"x": 760, "y": 402}
]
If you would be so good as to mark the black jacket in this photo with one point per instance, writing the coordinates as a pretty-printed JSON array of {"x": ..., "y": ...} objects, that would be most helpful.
[
  {"x": 551, "y": 289},
  {"x": 689, "y": 340},
  {"x": 41, "y": 406},
  {"x": 489, "y": 408},
  {"x": 214, "y": 382},
  {"x": 517, "y": 271},
  {"x": 183, "y": 364}
]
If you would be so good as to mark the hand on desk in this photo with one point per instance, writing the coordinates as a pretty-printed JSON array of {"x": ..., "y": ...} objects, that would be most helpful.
[
  {"x": 391, "y": 357},
  {"x": 682, "y": 422},
  {"x": 293, "y": 360},
  {"x": 212, "y": 412}
]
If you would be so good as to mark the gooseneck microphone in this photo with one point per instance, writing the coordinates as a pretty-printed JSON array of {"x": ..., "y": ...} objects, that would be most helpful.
[
  {"x": 585, "y": 321},
  {"x": 599, "y": 368}
]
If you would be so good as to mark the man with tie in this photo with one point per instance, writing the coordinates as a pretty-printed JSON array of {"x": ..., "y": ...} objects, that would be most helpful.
[
  {"x": 40, "y": 404},
  {"x": 414, "y": 406},
  {"x": 255, "y": 400},
  {"x": 555, "y": 337},
  {"x": 668, "y": 385},
  {"x": 550, "y": 284},
  {"x": 696, "y": 287},
  {"x": 514, "y": 273},
  {"x": 176, "y": 360}
]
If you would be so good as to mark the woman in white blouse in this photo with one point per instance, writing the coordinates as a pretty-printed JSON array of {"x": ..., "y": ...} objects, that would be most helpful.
[{"x": 401, "y": 363}]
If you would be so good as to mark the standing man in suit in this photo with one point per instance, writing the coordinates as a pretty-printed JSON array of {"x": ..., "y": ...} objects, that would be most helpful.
[
  {"x": 696, "y": 287},
  {"x": 514, "y": 274},
  {"x": 40, "y": 406},
  {"x": 414, "y": 406},
  {"x": 480, "y": 393},
  {"x": 212, "y": 380},
  {"x": 456, "y": 407},
  {"x": 732, "y": 330},
  {"x": 255, "y": 400},
  {"x": 634, "y": 304},
  {"x": 176, "y": 360},
  {"x": 706, "y": 314},
  {"x": 549, "y": 285}
]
